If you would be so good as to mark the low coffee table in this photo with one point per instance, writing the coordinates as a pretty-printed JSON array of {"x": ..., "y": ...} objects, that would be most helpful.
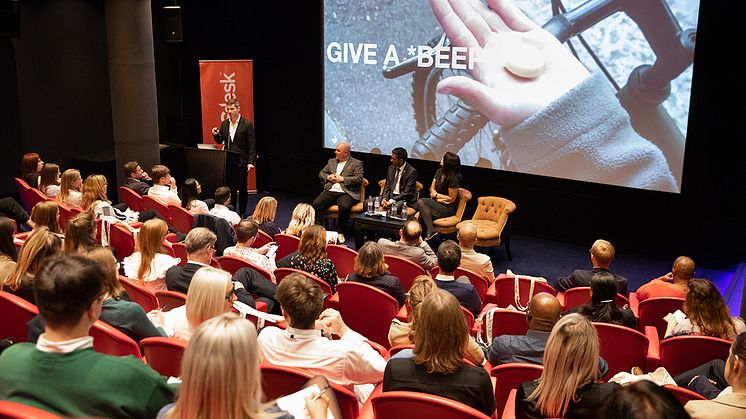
[{"x": 381, "y": 226}]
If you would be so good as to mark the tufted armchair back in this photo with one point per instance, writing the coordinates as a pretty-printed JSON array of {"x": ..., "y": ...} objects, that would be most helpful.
[{"x": 494, "y": 208}]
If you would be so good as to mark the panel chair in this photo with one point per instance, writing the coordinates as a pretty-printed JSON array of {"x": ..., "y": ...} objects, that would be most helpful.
[
  {"x": 491, "y": 221},
  {"x": 343, "y": 258},
  {"x": 15, "y": 312},
  {"x": 332, "y": 213},
  {"x": 13, "y": 410},
  {"x": 623, "y": 348},
  {"x": 404, "y": 404},
  {"x": 181, "y": 218},
  {"x": 156, "y": 204},
  {"x": 170, "y": 299},
  {"x": 418, "y": 189},
  {"x": 502, "y": 291},
  {"x": 508, "y": 377},
  {"x": 164, "y": 354},
  {"x": 404, "y": 269},
  {"x": 575, "y": 297},
  {"x": 367, "y": 310},
  {"x": 682, "y": 353},
  {"x": 287, "y": 244},
  {"x": 278, "y": 381},
  {"x": 448, "y": 224},
  {"x": 133, "y": 199},
  {"x": 139, "y": 294},
  {"x": 652, "y": 311},
  {"x": 108, "y": 340}
]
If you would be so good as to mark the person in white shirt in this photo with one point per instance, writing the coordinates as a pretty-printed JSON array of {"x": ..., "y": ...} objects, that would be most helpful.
[
  {"x": 222, "y": 199},
  {"x": 149, "y": 264},
  {"x": 164, "y": 186},
  {"x": 470, "y": 258},
  {"x": 349, "y": 361},
  {"x": 246, "y": 232}
]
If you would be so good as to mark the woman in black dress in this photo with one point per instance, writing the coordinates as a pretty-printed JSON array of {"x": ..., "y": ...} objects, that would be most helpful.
[{"x": 443, "y": 201}]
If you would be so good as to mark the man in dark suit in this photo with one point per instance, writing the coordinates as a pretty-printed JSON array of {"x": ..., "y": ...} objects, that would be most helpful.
[
  {"x": 401, "y": 181},
  {"x": 341, "y": 178},
  {"x": 136, "y": 179},
  {"x": 602, "y": 254},
  {"x": 237, "y": 133}
]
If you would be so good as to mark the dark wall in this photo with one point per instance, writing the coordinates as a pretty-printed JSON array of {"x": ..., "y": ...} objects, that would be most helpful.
[{"x": 54, "y": 86}]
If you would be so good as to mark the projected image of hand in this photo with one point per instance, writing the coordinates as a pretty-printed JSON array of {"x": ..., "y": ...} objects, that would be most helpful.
[{"x": 505, "y": 41}]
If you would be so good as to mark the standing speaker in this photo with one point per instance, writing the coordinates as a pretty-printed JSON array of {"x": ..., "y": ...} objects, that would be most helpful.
[
  {"x": 10, "y": 18},
  {"x": 172, "y": 24}
]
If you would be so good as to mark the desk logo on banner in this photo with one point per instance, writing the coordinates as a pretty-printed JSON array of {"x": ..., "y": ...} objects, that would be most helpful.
[{"x": 220, "y": 81}]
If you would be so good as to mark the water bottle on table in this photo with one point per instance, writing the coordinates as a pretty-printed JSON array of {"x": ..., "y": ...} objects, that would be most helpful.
[
  {"x": 376, "y": 205},
  {"x": 370, "y": 207},
  {"x": 404, "y": 210}
]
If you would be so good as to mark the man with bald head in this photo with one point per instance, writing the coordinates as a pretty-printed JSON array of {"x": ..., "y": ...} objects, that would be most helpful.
[
  {"x": 410, "y": 246},
  {"x": 470, "y": 259},
  {"x": 341, "y": 178},
  {"x": 672, "y": 284},
  {"x": 543, "y": 312}
]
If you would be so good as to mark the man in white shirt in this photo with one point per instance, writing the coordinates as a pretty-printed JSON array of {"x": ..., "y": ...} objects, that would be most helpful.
[
  {"x": 470, "y": 258},
  {"x": 164, "y": 186},
  {"x": 246, "y": 232},
  {"x": 222, "y": 199},
  {"x": 410, "y": 246},
  {"x": 348, "y": 361}
]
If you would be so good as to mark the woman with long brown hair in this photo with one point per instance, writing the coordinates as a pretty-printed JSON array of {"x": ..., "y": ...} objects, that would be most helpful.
[
  {"x": 264, "y": 215},
  {"x": 31, "y": 165},
  {"x": 568, "y": 384},
  {"x": 706, "y": 314},
  {"x": 80, "y": 233},
  {"x": 437, "y": 366},
  {"x": 370, "y": 268},
  {"x": 149, "y": 263},
  {"x": 49, "y": 180},
  {"x": 38, "y": 247},
  {"x": 311, "y": 256},
  {"x": 70, "y": 188},
  {"x": 46, "y": 214},
  {"x": 443, "y": 201}
]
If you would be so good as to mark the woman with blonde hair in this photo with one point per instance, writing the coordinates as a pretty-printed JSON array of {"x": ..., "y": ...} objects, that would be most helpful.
[
  {"x": 706, "y": 314},
  {"x": 303, "y": 216},
  {"x": 371, "y": 269},
  {"x": 311, "y": 256},
  {"x": 264, "y": 215},
  {"x": 49, "y": 180},
  {"x": 221, "y": 378},
  {"x": 38, "y": 247},
  {"x": 95, "y": 200},
  {"x": 70, "y": 188},
  {"x": 149, "y": 263},
  {"x": 46, "y": 214},
  {"x": 80, "y": 233},
  {"x": 437, "y": 366},
  {"x": 211, "y": 292},
  {"x": 568, "y": 384}
]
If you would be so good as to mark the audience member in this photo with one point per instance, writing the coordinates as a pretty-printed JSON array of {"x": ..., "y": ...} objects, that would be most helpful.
[
  {"x": 62, "y": 373},
  {"x": 136, "y": 178},
  {"x": 80, "y": 233},
  {"x": 567, "y": 386},
  {"x": 643, "y": 399},
  {"x": 49, "y": 180},
  {"x": 246, "y": 232},
  {"x": 443, "y": 201},
  {"x": 476, "y": 262},
  {"x": 190, "y": 191},
  {"x": 371, "y": 269},
  {"x": 164, "y": 186},
  {"x": 40, "y": 245},
  {"x": 46, "y": 214},
  {"x": 311, "y": 256},
  {"x": 222, "y": 200},
  {"x": 602, "y": 307},
  {"x": 211, "y": 292},
  {"x": 449, "y": 256},
  {"x": 71, "y": 185},
  {"x": 221, "y": 378},
  {"x": 437, "y": 367},
  {"x": 707, "y": 380},
  {"x": 401, "y": 333},
  {"x": 543, "y": 312},
  {"x": 13, "y": 210},
  {"x": 348, "y": 361},
  {"x": 672, "y": 284},
  {"x": 31, "y": 166},
  {"x": 341, "y": 178},
  {"x": 302, "y": 217},
  {"x": 706, "y": 314},
  {"x": 410, "y": 246},
  {"x": 148, "y": 265},
  {"x": 731, "y": 405},
  {"x": 126, "y": 316},
  {"x": 264, "y": 215},
  {"x": 8, "y": 251},
  {"x": 95, "y": 200},
  {"x": 602, "y": 254}
]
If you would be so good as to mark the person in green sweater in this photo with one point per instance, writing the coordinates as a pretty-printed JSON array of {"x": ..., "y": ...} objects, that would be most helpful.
[{"x": 62, "y": 373}]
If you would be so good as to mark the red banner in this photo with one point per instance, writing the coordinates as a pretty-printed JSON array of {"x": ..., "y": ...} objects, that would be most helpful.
[{"x": 222, "y": 80}]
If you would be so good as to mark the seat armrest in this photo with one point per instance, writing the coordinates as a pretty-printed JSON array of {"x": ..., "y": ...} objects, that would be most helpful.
[
  {"x": 561, "y": 299},
  {"x": 491, "y": 294},
  {"x": 634, "y": 303},
  {"x": 379, "y": 348},
  {"x": 653, "y": 358},
  {"x": 366, "y": 411}
]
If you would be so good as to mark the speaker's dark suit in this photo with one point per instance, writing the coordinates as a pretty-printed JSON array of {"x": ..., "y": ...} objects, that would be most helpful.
[
  {"x": 244, "y": 143},
  {"x": 407, "y": 185}
]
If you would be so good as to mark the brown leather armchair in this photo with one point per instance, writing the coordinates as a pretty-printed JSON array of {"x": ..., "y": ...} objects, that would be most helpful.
[
  {"x": 490, "y": 219},
  {"x": 448, "y": 224}
]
